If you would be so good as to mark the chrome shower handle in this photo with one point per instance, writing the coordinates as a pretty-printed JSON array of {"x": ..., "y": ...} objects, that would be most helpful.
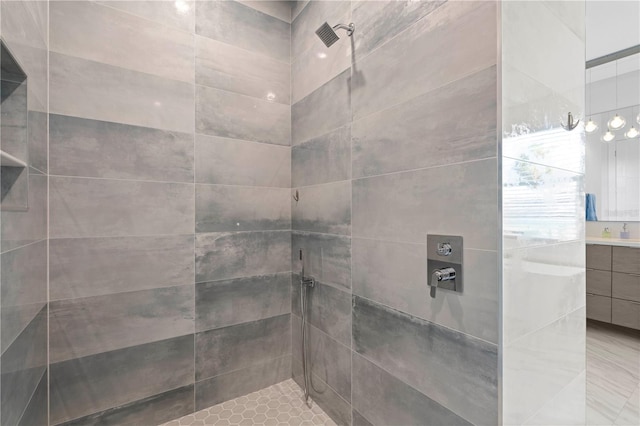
[{"x": 444, "y": 274}]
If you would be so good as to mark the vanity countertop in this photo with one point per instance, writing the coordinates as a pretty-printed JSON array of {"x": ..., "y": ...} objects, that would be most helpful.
[{"x": 613, "y": 241}]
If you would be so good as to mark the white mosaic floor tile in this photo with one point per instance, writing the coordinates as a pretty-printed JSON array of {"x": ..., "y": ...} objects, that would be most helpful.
[{"x": 277, "y": 405}]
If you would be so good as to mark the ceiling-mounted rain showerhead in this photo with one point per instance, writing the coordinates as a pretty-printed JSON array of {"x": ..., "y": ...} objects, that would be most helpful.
[{"x": 328, "y": 35}]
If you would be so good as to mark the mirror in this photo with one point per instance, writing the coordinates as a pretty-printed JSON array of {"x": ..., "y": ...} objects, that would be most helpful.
[{"x": 612, "y": 170}]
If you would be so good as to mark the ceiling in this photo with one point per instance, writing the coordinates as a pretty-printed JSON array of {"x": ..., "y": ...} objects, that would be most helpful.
[{"x": 611, "y": 26}]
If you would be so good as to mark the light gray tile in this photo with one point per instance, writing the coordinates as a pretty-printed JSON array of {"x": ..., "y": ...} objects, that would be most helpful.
[
  {"x": 91, "y": 384},
  {"x": 386, "y": 400},
  {"x": 91, "y": 325},
  {"x": 297, "y": 6},
  {"x": 396, "y": 275},
  {"x": 15, "y": 320},
  {"x": 37, "y": 412},
  {"x": 329, "y": 309},
  {"x": 358, "y": 419},
  {"x": 327, "y": 258},
  {"x": 80, "y": 29},
  {"x": 461, "y": 34},
  {"x": 406, "y": 206},
  {"x": 236, "y": 162},
  {"x": 230, "y": 302},
  {"x": 38, "y": 140},
  {"x": 83, "y": 267},
  {"x": 82, "y": 147},
  {"x": 324, "y": 110},
  {"x": 230, "y": 115},
  {"x": 153, "y": 410},
  {"x": 240, "y": 208},
  {"x": 23, "y": 364},
  {"x": 234, "y": 23},
  {"x": 380, "y": 21},
  {"x": 241, "y": 382},
  {"x": 24, "y": 275},
  {"x": 280, "y": 9},
  {"x": 540, "y": 204},
  {"x": 25, "y": 20},
  {"x": 443, "y": 364},
  {"x": 15, "y": 138},
  {"x": 461, "y": 126},
  {"x": 324, "y": 208},
  {"x": 227, "y": 67},
  {"x": 88, "y": 89},
  {"x": 24, "y": 227},
  {"x": 309, "y": 19},
  {"x": 82, "y": 207},
  {"x": 179, "y": 15},
  {"x": 324, "y": 159},
  {"x": 327, "y": 359},
  {"x": 225, "y": 255},
  {"x": 324, "y": 395},
  {"x": 240, "y": 346}
]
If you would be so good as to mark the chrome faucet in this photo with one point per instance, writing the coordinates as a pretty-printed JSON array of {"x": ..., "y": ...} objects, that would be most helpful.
[{"x": 444, "y": 274}]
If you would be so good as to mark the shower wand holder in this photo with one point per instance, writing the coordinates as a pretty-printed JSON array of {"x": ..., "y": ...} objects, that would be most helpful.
[{"x": 444, "y": 263}]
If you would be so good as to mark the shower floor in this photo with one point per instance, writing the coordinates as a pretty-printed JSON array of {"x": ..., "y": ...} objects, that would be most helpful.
[{"x": 280, "y": 404}]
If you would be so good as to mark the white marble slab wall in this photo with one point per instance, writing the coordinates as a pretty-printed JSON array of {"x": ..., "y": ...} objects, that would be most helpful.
[
  {"x": 23, "y": 235},
  {"x": 543, "y": 257},
  {"x": 393, "y": 137},
  {"x": 169, "y": 206}
]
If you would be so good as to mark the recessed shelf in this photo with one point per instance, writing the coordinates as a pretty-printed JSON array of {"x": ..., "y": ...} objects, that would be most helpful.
[{"x": 9, "y": 160}]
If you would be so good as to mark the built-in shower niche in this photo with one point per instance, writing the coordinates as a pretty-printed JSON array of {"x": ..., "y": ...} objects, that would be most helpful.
[{"x": 14, "y": 173}]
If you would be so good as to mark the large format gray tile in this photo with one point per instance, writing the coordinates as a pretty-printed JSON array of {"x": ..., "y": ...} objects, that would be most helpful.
[
  {"x": 37, "y": 412},
  {"x": 24, "y": 276},
  {"x": 38, "y": 140},
  {"x": 230, "y": 115},
  {"x": 83, "y": 267},
  {"x": 223, "y": 66},
  {"x": 451, "y": 124},
  {"x": 324, "y": 110},
  {"x": 327, "y": 258},
  {"x": 153, "y": 410},
  {"x": 91, "y": 384},
  {"x": 280, "y": 9},
  {"x": 406, "y": 206},
  {"x": 15, "y": 320},
  {"x": 327, "y": 359},
  {"x": 386, "y": 400},
  {"x": 323, "y": 208},
  {"x": 358, "y": 419},
  {"x": 82, "y": 207},
  {"x": 237, "y": 162},
  {"x": 19, "y": 227},
  {"x": 234, "y": 23},
  {"x": 83, "y": 88},
  {"x": 82, "y": 147},
  {"x": 91, "y": 325},
  {"x": 462, "y": 35},
  {"x": 230, "y": 302},
  {"x": 396, "y": 275},
  {"x": 221, "y": 208},
  {"x": 326, "y": 158},
  {"x": 380, "y": 21},
  {"x": 298, "y": 6},
  {"x": 80, "y": 29},
  {"x": 224, "y": 255},
  {"x": 443, "y": 364},
  {"x": 23, "y": 364},
  {"x": 328, "y": 309},
  {"x": 240, "y": 346},
  {"x": 241, "y": 382},
  {"x": 178, "y": 15}
]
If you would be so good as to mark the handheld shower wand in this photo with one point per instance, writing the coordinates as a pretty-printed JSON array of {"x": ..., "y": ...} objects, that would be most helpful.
[{"x": 305, "y": 284}]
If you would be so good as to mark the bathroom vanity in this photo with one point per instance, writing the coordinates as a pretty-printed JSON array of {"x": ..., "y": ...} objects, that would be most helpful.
[{"x": 613, "y": 282}]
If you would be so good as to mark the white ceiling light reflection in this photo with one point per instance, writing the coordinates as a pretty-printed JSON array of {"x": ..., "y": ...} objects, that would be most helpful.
[
  {"x": 591, "y": 126},
  {"x": 632, "y": 133},
  {"x": 182, "y": 6},
  {"x": 321, "y": 55},
  {"x": 609, "y": 136},
  {"x": 617, "y": 122}
]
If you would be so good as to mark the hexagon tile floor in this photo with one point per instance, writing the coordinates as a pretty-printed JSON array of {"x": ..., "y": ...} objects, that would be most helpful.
[{"x": 280, "y": 404}]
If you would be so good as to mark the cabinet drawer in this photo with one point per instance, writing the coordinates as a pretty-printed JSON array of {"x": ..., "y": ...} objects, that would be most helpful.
[
  {"x": 599, "y": 282},
  {"x": 626, "y": 259},
  {"x": 599, "y": 257},
  {"x": 626, "y": 313},
  {"x": 599, "y": 308},
  {"x": 625, "y": 286}
]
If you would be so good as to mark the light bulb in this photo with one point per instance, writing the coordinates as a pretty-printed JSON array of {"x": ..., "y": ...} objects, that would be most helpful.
[
  {"x": 591, "y": 126},
  {"x": 617, "y": 122},
  {"x": 632, "y": 133},
  {"x": 609, "y": 136}
]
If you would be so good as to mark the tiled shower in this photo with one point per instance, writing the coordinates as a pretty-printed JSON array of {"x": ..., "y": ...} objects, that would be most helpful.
[{"x": 180, "y": 154}]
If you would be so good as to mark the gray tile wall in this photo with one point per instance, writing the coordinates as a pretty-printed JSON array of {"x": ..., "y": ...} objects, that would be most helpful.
[
  {"x": 23, "y": 234},
  {"x": 169, "y": 206},
  {"x": 382, "y": 133}
]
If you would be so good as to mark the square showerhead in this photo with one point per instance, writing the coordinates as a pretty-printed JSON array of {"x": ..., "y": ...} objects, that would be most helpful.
[{"x": 327, "y": 34}]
